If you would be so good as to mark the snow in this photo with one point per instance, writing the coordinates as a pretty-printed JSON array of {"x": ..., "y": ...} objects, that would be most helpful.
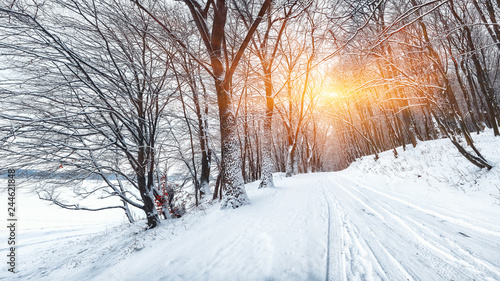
[{"x": 425, "y": 215}]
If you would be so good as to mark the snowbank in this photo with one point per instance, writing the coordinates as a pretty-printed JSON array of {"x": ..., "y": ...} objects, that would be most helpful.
[{"x": 437, "y": 174}]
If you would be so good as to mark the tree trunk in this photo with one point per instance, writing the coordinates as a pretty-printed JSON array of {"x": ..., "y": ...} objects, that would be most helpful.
[
  {"x": 267, "y": 164},
  {"x": 232, "y": 177},
  {"x": 290, "y": 161},
  {"x": 205, "y": 169},
  {"x": 481, "y": 74},
  {"x": 127, "y": 212},
  {"x": 206, "y": 153},
  {"x": 148, "y": 199}
]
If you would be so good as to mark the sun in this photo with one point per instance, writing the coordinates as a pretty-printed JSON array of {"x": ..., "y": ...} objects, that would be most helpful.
[{"x": 328, "y": 97}]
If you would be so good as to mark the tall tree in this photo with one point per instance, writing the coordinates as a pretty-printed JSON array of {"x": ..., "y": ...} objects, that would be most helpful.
[
  {"x": 265, "y": 46},
  {"x": 210, "y": 19}
]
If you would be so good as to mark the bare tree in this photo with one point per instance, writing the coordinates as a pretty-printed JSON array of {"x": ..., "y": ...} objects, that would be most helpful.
[
  {"x": 89, "y": 98},
  {"x": 210, "y": 19},
  {"x": 265, "y": 46},
  {"x": 299, "y": 56}
]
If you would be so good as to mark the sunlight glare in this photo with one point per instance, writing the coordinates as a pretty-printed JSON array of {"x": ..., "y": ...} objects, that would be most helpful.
[{"x": 328, "y": 97}]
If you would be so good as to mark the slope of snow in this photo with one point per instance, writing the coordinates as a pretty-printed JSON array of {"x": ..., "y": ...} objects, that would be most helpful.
[
  {"x": 435, "y": 174},
  {"x": 427, "y": 215}
]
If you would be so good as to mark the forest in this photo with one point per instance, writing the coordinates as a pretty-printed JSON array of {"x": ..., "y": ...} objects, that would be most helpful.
[{"x": 162, "y": 105}]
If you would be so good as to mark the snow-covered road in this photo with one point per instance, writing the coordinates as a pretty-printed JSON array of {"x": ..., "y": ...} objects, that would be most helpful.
[
  {"x": 378, "y": 236},
  {"x": 324, "y": 226},
  {"x": 328, "y": 227}
]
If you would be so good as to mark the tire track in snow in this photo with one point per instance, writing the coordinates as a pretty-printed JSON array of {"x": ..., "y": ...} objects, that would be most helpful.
[
  {"x": 383, "y": 236},
  {"x": 330, "y": 276},
  {"x": 462, "y": 255},
  {"x": 444, "y": 261},
  {"x": 350, "y": 256},
  {"x": 432, "y": 251},
  {"x": 358, "y": 259},
  {"x": 380, "y": 259},
  {"x": 438, "y": 229},
  {"x": 436, "y": 238},
  {"x": 424, "y": 210}
]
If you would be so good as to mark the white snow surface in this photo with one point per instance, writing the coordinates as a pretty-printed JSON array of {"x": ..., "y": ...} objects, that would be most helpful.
[{"x": 426, "y": 215}]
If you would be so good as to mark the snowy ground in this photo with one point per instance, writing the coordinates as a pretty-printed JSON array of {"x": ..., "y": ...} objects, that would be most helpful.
[{"x": 427, "y": 215}]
